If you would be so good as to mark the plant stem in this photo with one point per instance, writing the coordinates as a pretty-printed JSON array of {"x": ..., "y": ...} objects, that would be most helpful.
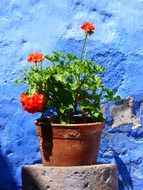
[
  {"x": 41, "y": 66},
  {"x": 83, "y": 47},
  {"x": 59, "y": 113},
  {"x": 36, "y": 64},
  {"x": 24, "y": 72},
  {"x": 77, "y": 93},
  {"x": 42, "y": 115},
  {"x": 78, "y": 89}
]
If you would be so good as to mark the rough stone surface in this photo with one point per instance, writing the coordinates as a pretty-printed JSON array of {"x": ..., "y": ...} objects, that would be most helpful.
[
  {"x": 33, "y": 25},
  {"x": 95, "y": 177},
  {"x": 123, "y": 114}
]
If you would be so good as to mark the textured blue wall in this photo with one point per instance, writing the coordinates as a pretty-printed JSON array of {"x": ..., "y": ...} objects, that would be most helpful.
[{"x": 32, "y": 25}]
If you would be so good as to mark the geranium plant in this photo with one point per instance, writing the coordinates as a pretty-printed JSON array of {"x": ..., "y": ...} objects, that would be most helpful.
[{"x": 71, "y": 84}]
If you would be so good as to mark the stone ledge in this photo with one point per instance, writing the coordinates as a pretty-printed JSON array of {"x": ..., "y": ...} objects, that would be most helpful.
[{"x": 94, "y": 177}]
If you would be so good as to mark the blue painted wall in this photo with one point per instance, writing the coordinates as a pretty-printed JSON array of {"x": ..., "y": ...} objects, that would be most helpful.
[{"x": 32, "y": 25}]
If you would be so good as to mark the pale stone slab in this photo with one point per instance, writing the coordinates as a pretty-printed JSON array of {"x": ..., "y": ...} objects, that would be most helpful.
[{"x": 94, "y": 177}]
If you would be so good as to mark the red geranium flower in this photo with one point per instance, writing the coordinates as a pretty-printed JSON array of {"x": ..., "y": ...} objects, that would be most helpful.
[
  {"x": 32, "y": 103},
  {"x": 88, "y": 27},
  {"x": 35, "y": 57}
]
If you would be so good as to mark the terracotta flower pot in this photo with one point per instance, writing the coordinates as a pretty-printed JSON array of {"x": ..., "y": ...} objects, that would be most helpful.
[{"x": 68, "y": 144}]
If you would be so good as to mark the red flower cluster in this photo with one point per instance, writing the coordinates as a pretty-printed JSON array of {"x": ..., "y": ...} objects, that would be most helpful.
[
  {"x": 88, "y": 27},
  {"x": 33, "y": 103},
  {"x": 35, "y": 57}
]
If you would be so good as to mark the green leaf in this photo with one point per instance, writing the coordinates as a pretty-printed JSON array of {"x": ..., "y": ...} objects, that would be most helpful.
[
  {"x": 64, "y": 109},
  {"x": 52, "y": 58},
  {"x": 59, "y": 54},
  {"x": 71, "y": 57},
  {"x": 117, "y": 98}
]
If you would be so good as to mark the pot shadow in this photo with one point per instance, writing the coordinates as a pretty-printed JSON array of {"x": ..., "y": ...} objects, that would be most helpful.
[
  {"x": 47, "y": 141},
  {"x": 124, "y": 178},
  {"x": 7, "y": 181},
  {"x": 28, "y": 181}
]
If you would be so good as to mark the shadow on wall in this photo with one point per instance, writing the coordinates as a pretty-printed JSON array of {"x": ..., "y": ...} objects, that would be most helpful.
[
  {"x": 7, "y": 181},
  {"x": 125, "y": 181}
]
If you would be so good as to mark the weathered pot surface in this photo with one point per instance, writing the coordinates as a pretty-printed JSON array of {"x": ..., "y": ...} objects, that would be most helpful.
[{"x": 68, "y": 144}]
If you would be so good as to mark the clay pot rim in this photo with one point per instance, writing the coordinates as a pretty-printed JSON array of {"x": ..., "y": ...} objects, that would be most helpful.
[
  {"x": 77, "y": 124},
  {"x": 42, "y": 120}
]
